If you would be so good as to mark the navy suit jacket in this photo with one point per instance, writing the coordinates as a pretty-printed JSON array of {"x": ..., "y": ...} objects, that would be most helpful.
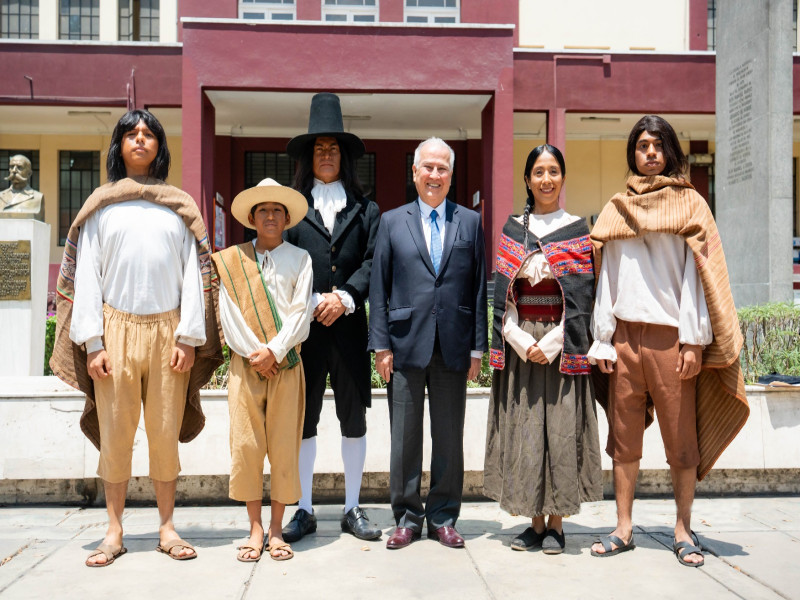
[{"x": 409, "y": 302}]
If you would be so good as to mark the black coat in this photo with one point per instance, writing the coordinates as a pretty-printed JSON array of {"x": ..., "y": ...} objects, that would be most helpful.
[{"x": 341, "y": 261}]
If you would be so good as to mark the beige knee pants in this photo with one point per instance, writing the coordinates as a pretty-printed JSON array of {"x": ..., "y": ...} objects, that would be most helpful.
[
  {"x": 266, "y": 420},
  {"x": 139, "y": 348}
]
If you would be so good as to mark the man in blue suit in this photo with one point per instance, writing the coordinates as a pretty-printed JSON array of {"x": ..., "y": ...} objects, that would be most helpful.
[{"x": 428, "y": 328}]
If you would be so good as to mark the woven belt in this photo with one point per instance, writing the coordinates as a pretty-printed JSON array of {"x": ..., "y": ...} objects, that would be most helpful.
[{"x": 540, "y": 302}]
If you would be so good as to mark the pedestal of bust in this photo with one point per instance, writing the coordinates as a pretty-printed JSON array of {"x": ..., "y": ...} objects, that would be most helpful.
[{"x": 24, "y": 265}]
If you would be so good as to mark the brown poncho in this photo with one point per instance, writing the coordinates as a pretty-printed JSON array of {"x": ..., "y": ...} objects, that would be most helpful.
[
  {"x": 69, "y": 360},
  {"x": 660, "y": 204}
]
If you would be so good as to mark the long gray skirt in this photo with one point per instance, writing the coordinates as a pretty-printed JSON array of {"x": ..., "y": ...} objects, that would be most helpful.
[{"x": 542, "y": 446}]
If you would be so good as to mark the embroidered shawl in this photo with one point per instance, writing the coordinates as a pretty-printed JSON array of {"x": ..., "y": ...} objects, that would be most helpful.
[
  {"x": 668, "y": 205},
  {"x": 239, "y": 272},
  {"x": 568, "y": 251},
  {"x": 69, "y": 360}
]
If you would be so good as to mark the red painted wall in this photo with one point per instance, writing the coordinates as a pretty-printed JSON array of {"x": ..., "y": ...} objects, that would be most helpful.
[
  {"x": 313, "y": 66},
  {"x": 698, "y": 24},
  {"x": 627, "y": 83},
  {"x": 391, "y": 11},
  {"x": 218, "y": 9},
  {"x": 497, "y": 11},
  {"x": 309, "y": 10},
  {"x": 59, "y": 74}
]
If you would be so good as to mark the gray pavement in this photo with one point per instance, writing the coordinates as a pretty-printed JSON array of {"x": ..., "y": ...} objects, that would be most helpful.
[{"x": 753, "y": 551}]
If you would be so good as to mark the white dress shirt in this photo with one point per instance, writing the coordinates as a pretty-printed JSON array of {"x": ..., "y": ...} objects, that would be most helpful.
[
  {"x": 287, "y": 273},
  {"x": 330, "y": 199},
  {"x": 535, "y": 269},
  {"x": 651, "y": 279},
  {"x": 140, "y": 258}
]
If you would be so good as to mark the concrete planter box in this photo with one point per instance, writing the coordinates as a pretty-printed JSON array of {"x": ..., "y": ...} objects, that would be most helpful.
[{"x": 44, "y": 456}]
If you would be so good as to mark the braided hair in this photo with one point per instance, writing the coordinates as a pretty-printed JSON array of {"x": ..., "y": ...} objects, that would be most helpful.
[{"x": 532, "y": 158}]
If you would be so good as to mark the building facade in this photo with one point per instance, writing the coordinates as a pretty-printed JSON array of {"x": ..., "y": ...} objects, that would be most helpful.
[{"x": 231, "y": 81}]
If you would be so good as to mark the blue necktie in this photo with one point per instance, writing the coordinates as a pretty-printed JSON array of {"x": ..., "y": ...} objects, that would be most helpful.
[{"x": 436, "y": 242}]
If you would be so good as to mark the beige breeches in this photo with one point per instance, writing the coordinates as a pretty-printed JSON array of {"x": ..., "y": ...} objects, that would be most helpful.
[
  {"x": 266, "y": 420},
  {"x": 140, "y": 348}
]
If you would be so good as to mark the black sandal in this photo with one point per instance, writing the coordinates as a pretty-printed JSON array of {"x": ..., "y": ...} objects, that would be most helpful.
[
  {"x": 553, "y": 542},
  {"x": 528, "y": 540}
]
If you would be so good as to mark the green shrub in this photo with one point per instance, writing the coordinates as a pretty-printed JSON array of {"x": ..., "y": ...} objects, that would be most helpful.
[
  {"x": 770, "y": 340},
  {"x": 49, "y": 340}
]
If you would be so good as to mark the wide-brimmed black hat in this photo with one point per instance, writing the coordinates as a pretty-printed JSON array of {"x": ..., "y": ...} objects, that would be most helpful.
[{"x": 325, "y": 120}]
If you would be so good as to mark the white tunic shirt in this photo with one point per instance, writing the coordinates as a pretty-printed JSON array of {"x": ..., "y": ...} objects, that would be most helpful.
[
  {"x": 535, "y": 269},
  {"x": 651, "y": 279},
  {"x": 138, "y": 257},
  {"x": 287, "y": 273}
]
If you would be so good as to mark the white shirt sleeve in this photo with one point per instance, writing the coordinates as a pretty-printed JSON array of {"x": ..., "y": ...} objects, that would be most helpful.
[
  {"x": 239, "y": 337},
  {"x": 604, "y": 323},
  {"x": 191, "y": 329},
  {"x": 87, "y": 309},
  {"x": 513, "y": 334},
  {"x": 695, "y": 323},
  {"x": 297, "y": 320},
  {"x": 345, "y": 297},
  {"x": 347, "y": 301}
]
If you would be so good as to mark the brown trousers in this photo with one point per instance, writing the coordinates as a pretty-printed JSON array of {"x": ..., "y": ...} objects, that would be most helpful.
[
  {"x": 647, "y": 358},
  {"x": 266, "y": 420},
  {"x": 140, "y": 348}
]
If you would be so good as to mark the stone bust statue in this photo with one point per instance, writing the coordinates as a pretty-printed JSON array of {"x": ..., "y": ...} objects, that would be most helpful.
[{"x": 21, "y": 201}]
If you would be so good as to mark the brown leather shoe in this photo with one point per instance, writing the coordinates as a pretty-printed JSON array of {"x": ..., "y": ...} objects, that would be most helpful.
[
  {"x": 402, "y": 537},
  {"x": 447, "y": 536}
]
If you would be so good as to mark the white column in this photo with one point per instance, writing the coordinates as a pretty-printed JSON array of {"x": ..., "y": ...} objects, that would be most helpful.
[
  {"x": 168, "y": 21},
  {"x": 48, "y": 20},
  {"x": 109, "y": 20}
]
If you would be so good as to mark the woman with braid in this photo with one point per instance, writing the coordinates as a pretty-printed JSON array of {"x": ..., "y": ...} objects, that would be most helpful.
[{"x": 542, "y": 447}]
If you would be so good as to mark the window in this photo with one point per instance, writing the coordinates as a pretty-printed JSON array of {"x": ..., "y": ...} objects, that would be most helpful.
[
  {"x": 270, "y": 10},
  {"x": 712, "y": 24},
  {"x": 350, "y": 11},
  {"x": 31, "y": 155},
  {"x": 275, "y": 165},
  {"x": 79, "y": 19},
  {"x": 19, "y": 19},
  {"x": 79, "y": 175},
  {"x": 365, "y": 168},
  {"x": 138, "y": 20},
  {"x": 432, "y": 11},
  {"x": 411, "y": 189}
]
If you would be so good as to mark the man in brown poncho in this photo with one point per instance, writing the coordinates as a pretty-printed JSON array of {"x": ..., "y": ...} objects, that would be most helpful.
[
  {"x": 135, "y": 323},
  {"x": 666, "y": 332}
]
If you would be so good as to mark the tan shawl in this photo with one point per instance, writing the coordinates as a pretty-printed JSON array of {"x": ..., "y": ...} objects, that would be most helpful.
[
  {"x": 660, "y": 204},
  {"x": 69, "y": 360}
]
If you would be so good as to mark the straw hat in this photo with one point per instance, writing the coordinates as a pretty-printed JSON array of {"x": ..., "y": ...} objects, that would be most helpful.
[{"x": 269, "y": 190}]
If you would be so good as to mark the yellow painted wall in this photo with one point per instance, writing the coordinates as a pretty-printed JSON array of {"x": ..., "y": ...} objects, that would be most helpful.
[
  {"x": 612, "y": 24},
  {"x": 49, "y": 146}
]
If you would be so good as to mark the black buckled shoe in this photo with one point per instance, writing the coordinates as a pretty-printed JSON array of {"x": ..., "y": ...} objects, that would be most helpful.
[
  {"x": 302, "y": 523},
  {"x": 355, "y": 521}
]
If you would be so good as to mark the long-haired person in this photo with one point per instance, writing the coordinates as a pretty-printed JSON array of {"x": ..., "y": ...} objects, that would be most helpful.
[{"x": 542, "y": 448}]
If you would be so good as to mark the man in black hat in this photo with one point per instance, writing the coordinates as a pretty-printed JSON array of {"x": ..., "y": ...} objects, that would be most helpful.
[{"x": 339, "y": 233}]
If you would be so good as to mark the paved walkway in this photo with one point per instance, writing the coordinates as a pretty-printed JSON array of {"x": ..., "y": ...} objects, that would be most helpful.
[{"x": 753, "y": 552}]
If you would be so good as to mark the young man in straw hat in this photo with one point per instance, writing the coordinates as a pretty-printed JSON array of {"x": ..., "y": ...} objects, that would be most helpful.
[{"x": 265, "y": 311}]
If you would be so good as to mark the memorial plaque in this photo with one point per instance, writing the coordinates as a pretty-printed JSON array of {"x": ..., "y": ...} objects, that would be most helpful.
[
  {"x": 753, "y": 165},
  {"x": 15, "y": 270}
]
